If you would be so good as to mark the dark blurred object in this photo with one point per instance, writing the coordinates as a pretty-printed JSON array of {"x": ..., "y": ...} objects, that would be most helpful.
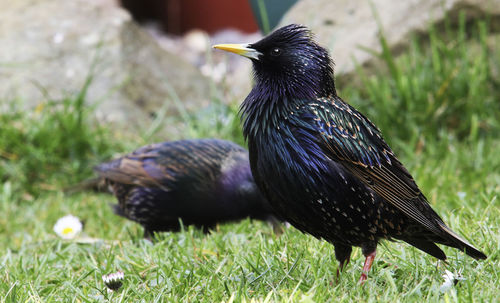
[
  {"x": 269, "y": 13},
  {"x": 202, "y": 182},
  {"x": 146, "y": 10},
  {"x": 180, "y": 16}
]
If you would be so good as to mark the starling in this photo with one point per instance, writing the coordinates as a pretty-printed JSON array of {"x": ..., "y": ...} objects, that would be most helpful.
[
  {"x": 323, "y": 166},
  {"x": 202, "y": 182}
]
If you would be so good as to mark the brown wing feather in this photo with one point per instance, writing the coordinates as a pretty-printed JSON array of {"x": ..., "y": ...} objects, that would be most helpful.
[{"x": 130, "y": 169}]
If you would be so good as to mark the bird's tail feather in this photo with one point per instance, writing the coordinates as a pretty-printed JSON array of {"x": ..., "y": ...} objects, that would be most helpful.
[
  {"x": 95, "y": 184},
  {"x": 427, "y": 246},
  {"x": 460, "y": 243}
]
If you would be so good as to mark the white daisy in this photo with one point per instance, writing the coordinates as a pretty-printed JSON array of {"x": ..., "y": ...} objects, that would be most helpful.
[
  {"x": 113, "y": 281},
  {"x": 68, "y": 227}
]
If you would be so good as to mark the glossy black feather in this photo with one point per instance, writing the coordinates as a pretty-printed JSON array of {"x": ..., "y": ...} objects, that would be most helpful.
[
  {"x": 323, "y": 165},
  {"x": 202, "y": 182}
]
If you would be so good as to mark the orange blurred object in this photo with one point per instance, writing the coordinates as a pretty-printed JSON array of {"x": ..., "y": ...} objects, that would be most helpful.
[
  {"x": 213, "y": 15},
  {"x": 180, "y": 16}
]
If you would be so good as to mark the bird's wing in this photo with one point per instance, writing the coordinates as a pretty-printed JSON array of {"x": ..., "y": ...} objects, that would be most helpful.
[
  {"x": 349, "y": 138},
  {"x": 140, "y": 168},
  {"x": 169, "y": 165}
]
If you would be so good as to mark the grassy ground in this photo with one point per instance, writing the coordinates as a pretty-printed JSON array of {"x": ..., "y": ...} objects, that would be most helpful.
[{"x": 437, "y": 106}]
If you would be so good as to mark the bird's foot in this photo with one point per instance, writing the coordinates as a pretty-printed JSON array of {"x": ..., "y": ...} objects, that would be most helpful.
[
  {"x": 363, "y": 278},
  {"x": 366, "y": 268}
]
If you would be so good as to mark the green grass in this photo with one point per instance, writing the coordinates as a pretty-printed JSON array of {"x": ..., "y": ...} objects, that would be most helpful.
[
  {"x": 57, "y": 140},
  {"x": 445, "y": 85},
  {"x": 438, "y": 107},
  {"x": 246, "y": 260}
]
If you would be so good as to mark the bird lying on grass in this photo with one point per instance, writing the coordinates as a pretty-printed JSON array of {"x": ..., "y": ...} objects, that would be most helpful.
[
  {"x": 202, "y": 182},
  {"x": 324, "y": 167}
]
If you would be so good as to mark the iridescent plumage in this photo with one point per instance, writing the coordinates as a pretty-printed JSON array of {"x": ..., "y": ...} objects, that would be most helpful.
[
  {"x": 202, "y": 182},
  {"x": 325, "y": 167}
]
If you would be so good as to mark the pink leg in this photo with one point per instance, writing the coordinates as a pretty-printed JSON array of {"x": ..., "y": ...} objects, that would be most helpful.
[{"x": 366, "y": 268}]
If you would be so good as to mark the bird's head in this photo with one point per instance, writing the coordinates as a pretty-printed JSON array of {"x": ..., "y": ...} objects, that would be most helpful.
[{"x": 290, "y": 62}]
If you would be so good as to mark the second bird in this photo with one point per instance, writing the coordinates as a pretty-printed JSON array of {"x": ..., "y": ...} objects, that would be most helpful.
[
  {"x": 201, "y": 182},
  {"x": 323, "y": 165}
]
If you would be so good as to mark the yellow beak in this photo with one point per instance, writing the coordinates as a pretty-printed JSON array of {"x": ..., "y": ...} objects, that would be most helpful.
[{"x": 240, "y": 49}]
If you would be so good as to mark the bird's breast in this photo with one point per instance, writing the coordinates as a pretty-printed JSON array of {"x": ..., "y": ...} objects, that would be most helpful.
[{"x": 279, "y": 155}]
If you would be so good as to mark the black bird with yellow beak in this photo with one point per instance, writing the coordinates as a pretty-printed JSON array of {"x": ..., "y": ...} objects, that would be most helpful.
[{"x": 323, "y": 165}]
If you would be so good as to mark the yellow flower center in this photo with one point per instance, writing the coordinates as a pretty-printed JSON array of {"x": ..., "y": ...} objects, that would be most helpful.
[{"x": 67, "y": 230}]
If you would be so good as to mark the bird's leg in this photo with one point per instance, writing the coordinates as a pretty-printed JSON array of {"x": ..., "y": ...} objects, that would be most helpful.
[
  {"x": 342, "y": 265},
  {"x": 276, "y": 224},
  {"x": 343, "y": 255},
  {"x": 368, "y": 264},
  {"x": 148, "y": 234}
]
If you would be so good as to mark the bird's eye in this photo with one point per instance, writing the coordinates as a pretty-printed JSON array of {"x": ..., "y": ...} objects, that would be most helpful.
[{"x": 276, "y": 51}]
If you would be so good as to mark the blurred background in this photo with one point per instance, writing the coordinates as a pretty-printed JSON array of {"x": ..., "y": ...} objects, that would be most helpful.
[
  {"x": 143, "y": 56},
  {"x": 139, "y": 53},
  {"x": 82, "y": 81}
]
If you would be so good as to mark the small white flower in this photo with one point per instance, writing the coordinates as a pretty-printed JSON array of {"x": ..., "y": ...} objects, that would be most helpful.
[
  {"x": 461, "y": 195},
  {"x": 68, "y": 227},
  {"x": 450, "y": 279},
  {"x": 113, "y": 281}
]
